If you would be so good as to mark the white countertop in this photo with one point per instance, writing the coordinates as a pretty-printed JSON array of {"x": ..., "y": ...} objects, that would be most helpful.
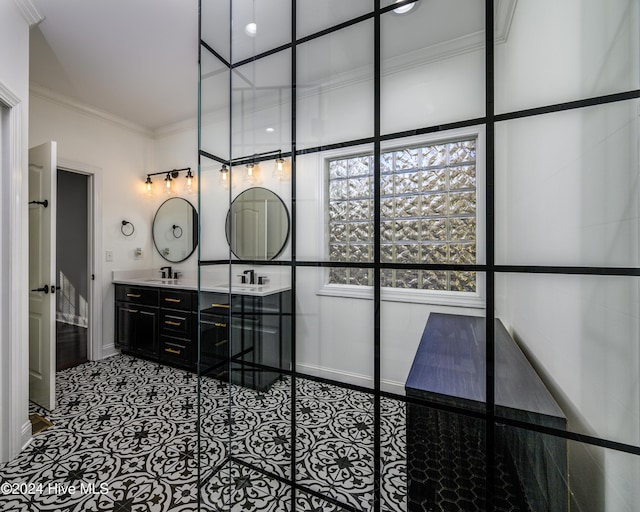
[{"x": 186, "y": 283}]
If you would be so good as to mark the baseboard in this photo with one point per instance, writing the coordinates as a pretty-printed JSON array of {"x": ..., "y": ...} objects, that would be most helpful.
[
  {"x": 355, "y": 379},
  {"x": 25, "y": 435},
  {"x": 109, "y": 350}
]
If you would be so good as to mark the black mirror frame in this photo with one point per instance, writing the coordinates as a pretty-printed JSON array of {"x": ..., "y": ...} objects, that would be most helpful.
[
  {"x": 195, "y": 230},
  {"x": 286, "y": 238}
]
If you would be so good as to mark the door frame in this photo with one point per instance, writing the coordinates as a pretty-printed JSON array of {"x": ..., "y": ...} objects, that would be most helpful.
[
  {"x": 94, "y": 240},
  {"x": 15, "y": 427}
]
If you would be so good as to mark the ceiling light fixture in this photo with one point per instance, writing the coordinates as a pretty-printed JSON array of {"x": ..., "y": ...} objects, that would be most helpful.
[
  {"x": 250, "y": 29},
  {"x": 404, "y": 9}
]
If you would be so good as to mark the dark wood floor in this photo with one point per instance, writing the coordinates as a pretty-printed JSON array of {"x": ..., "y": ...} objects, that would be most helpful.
[{"x": 71, "y": 345}]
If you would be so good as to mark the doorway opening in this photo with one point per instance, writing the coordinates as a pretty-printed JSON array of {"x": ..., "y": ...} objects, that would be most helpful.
[{"x": 73, "y": 230}]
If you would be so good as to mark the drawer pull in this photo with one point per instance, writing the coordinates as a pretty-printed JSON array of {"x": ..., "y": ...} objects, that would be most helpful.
[
  {"x": 135, "y": 295},
  {"x": 133, "y": 311},
  {"x": 172, "y": 351},
  {"x": 221, "y": 343},
  {"x": 219, "y": 325},
  {"x": 220, "y": 306},
  {"x": 168, "y": 299},
  {"x": 170, "y": 322}
]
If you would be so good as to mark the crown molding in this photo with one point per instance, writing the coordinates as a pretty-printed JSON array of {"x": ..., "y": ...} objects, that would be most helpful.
[
  {"x": 29, "y": 12},
  {"x": 88, "y": 110}
]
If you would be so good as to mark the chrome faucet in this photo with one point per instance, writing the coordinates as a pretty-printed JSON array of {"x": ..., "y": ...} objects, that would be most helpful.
[
  {"x": 252, "y": 276},
  {"x": 167, "y": 274}
]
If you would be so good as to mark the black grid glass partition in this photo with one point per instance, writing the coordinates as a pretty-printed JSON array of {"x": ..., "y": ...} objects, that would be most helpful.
[{"x": 445, "y": 314}]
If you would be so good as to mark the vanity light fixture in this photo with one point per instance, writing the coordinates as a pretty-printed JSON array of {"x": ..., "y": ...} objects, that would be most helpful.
[
  {"x": 250, "y": 169},
  {"x": 168, "y": 180}
]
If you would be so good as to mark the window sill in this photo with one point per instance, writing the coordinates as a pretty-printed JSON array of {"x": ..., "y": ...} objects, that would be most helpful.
[{"x": 454, "y": 299}]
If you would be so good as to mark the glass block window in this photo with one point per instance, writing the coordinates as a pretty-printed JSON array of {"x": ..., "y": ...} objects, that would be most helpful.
[{"x": 427, "y": 215}]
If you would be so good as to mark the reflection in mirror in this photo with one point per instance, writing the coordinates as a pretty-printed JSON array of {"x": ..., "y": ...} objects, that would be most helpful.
[
  {"x": 257, "y": 225},
  {"x": 175, "y": 229}
]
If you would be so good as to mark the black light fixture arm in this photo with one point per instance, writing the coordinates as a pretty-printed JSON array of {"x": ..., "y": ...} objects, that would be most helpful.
[{"x": 173, "y": 172}]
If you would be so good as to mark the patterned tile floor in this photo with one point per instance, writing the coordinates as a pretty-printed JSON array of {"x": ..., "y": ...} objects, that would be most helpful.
[{"x": 125, "y": 439}]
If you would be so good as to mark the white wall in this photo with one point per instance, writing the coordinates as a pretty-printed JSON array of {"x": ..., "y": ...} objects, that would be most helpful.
[
  {"x": 14, "y": 81},
  {"x": 123, "y": 155},
  {"x": 569, "y": 195}
]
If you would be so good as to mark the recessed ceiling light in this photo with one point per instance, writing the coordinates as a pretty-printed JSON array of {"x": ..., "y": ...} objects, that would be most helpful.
[
  {"x": 251, "y": 29},
  {"x": 405, "y": 8},
  {"x": 270, "y": 130}
]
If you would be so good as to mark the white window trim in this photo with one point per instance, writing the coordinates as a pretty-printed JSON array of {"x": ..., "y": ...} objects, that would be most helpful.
[{"x": 436, "y": 297}]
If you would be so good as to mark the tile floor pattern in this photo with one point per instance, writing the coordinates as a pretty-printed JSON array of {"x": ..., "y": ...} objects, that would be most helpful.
[{"x": 128, "y": 427}]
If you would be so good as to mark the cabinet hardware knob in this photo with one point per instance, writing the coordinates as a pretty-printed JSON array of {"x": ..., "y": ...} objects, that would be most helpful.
[
  {"x": 219, "y": 325},
  {"x": 133, "y": 311},
  {"x": 136, "y": 295},
  {"x": 168, "y": 299},
  {"x": 220, "y": 306},
  {"x": 169, "y": 322},
  {"x": 172, "y": 351}
]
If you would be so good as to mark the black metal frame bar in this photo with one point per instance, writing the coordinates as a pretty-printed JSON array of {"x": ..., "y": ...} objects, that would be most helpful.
[{"x": 491, "y": 269}]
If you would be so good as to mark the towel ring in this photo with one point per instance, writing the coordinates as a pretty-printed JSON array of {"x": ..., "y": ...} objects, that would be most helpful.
[
  {"x": 177, "y": 231},
  {"x": 127, "y": 231}
]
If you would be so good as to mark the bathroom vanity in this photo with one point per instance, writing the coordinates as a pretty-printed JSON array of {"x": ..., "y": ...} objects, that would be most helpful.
[{"x": 247, "y": 330}]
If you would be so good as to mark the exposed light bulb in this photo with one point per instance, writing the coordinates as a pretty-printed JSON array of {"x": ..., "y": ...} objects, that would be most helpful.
[
  {"x": 249, "y": 169},
  {"x": 279, "y": 163},
  {"x": 148, "y": 182}
]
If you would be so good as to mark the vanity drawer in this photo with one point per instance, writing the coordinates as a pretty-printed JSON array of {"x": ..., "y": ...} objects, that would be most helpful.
[
  {"x": 176, "y": 299},
  {"x": 137, "y": 294},
  {"x": 175, "y": 323},
  {"x": 175, "y": 351}
]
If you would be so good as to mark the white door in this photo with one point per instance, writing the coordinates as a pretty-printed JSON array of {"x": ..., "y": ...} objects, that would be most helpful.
[{"x": 42, "y": 274}]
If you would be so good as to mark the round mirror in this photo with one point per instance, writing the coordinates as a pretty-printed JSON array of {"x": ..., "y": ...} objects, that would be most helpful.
[
  {"x": 175, "y": 229},
  {"x": 257, "y": 225}
]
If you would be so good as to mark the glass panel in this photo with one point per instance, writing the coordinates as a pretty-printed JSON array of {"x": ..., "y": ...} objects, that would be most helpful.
[
  {"x": 531, "y": 471},
  {"x": 567, "y": 188},
  {"x": 314, "y": 16},
  {"x": 446, "y": 461},
  {"x": 214, "y": 205},
  {"x": 262, "y": 106},
  {"x": 334, "y": 207},
  {"x": 582, "y": 49},
  {"x": 258, "y": 27},
  {"x": 215, "y": 26},
  {"x": 335, "y": 88},
  {"x": 432, "y": 65},
  {"x": 334, "y": 338},
  {"x": 214, "y": 106},
  {"x": 603, "y": 479},
  {"x": 580, "y": 334}
]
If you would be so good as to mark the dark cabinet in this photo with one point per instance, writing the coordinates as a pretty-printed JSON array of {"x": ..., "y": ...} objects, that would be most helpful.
[
  {"x": 137, "y": 321},
  {"x": 249, "y": 336}
]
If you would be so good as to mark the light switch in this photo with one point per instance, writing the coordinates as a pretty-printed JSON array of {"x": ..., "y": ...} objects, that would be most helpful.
[{"x": 108, "y": 255}]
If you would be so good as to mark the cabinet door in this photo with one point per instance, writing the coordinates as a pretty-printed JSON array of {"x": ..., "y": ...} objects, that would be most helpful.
[
  {"x": 126, "y": 316},
  {"x": 137, "y": 328},
  {"x": 146, "y": 339}
]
